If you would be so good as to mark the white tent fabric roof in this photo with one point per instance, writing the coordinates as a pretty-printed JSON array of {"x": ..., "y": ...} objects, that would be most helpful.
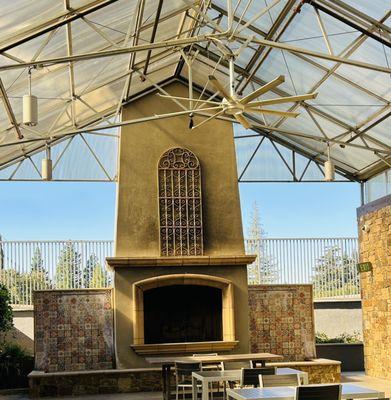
[{"x": 350, "y": 112}]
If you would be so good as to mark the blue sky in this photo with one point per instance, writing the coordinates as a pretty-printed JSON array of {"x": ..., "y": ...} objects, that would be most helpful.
[{"x": 50, "y": 211}]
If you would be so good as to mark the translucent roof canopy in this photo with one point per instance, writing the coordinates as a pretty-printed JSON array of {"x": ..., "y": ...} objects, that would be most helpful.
[{"x": 86, "y": 59}]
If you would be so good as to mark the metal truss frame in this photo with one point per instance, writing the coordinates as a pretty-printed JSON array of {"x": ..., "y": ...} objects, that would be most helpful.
[{"x": 189, "y": 41}]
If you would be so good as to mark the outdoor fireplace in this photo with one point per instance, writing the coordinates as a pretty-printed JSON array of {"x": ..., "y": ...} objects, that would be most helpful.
[
  {"x": 177, "y": 314},
  {"x": 180, "y": 282}
]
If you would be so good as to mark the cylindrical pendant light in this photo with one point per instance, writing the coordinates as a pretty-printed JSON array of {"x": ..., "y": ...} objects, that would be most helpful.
[
  {"x": 47, "y": 166},
  {"x": 329, "y": 168},
  {"x": 30, "y": 106}
]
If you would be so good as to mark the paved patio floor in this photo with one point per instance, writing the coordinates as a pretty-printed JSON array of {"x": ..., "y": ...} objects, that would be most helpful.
[{"x": 358, "y": 378}]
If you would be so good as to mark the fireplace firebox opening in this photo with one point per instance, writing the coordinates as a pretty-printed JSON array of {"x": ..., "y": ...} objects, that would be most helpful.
[
  {"x": 183, "y": 308},
  {"x": 182, "y": 313}
]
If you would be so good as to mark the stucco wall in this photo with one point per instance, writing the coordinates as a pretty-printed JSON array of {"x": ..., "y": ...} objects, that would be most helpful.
[
  {"x": 23, "y": 331},
  {"x": 374, "y": 222},
  {"x": 141, "y": 145},
  {"x": 337, "y": 317}
]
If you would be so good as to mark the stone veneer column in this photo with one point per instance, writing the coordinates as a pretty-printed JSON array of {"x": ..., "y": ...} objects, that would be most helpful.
[{"x": 374, "y": 221}]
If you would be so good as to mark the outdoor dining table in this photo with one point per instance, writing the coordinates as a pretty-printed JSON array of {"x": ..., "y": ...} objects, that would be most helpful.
[
  {"x": 207, "y": 377},
  {"x": 349, "y": 391},
  {"x": 168, "y": 362}
]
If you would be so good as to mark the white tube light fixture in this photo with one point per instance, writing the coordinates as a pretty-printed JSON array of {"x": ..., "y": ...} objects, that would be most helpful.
[
  {"x": 47, "y": 166},
  {"x": 329, "y": 167},
  {"x": 30, "y": 106}
]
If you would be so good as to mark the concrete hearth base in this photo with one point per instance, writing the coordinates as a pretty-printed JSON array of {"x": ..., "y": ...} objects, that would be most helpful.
[{"x": 146, "y": 379}]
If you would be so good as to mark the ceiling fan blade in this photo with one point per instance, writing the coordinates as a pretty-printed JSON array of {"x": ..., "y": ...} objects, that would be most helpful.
[
  {"x": 187, "y": 99},
  {"x": 208, "y": 119},
  {"x": 280, "y": 100},
  {"x": 219, "y": 87},
  {"x": 272, "y": 112},
  {"x": 240, "y": 118},
  {"x": 263, "y": 89}
]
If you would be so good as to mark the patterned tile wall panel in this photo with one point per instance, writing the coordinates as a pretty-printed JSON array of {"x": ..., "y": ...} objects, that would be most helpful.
[
  {"x": 73, "y": 330},
  {"x": 282, "y": 320}
]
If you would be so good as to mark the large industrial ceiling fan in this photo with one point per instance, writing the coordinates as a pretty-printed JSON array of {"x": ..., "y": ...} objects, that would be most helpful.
[{"x": 232, "y": 105}]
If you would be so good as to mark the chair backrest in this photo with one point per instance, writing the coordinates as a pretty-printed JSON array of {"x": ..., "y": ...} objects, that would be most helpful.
[
  {"x": 250, "y": 376},
  {"x": 225, "y": 366},
  {"x": 183, "y": 370},
  {"x": 279, "y": 380},
  {"x": 319, "y": 392}
]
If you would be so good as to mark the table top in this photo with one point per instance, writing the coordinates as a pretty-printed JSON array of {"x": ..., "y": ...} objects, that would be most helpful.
[
  {"x": 349, "y": 391},
  {"x": 214, "y": 359},
  {"x": 234, "y": 374}
]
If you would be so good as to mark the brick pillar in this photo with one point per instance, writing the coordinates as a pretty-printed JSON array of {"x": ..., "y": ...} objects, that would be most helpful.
[{"x": 374, "y": 223}]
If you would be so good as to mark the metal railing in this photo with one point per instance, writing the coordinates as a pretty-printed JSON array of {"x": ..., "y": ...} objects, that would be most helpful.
[
  {"x": 328, "y": 263},
  {"x": 26, "y": 266}
]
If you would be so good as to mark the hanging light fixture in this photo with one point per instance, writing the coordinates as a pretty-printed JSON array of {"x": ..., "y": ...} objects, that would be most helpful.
[
  {"x": 46, "y": 166},
  {"x": 329, "y": 167},
  {"x": 30, "y": 106}
]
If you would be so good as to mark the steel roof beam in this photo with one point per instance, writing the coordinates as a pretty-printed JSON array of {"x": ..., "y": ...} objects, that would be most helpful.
[
  {"x": 348, "y": 22},
  {"x": 276, "y": 25},
  {"x": 153, "y": 34},
  {"x": 10, "y": 112},
  {"x": 67, "y": 17}
]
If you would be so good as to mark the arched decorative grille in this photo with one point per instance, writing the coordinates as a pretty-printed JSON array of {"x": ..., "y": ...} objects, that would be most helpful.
[{"x": 180, "y": 206}]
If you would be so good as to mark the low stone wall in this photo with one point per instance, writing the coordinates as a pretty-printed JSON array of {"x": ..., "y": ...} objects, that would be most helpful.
[
  {"x": 320, "y": 370},
  {"x": 94, "y": 382},
  {"x": 148, "y": 379}
]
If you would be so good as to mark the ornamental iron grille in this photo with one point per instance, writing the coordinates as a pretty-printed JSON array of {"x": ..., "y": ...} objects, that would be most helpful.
[{"x": 180, "y": 205}]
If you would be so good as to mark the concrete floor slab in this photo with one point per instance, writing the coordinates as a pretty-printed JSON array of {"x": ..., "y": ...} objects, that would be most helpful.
[
  {"x": 361, "y": 379},
  {"x": 358, "y": 378}
]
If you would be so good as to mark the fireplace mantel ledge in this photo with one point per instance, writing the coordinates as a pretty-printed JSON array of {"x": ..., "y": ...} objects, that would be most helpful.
[
  {"x": 187, "y": 347},
  {"x": 126, "y": 262}
]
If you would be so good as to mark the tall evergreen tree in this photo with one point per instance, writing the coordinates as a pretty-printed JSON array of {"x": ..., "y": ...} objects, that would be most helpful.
[
  {"x": 98, "y": 278},
  {"x": 2, "y": 266},
  {"x": 88, "y": 272},
  {"x": 39, "y": 276},
  {"x": 264, "y": 269},
  {"x": 335, "y": 274},
  {"x": 37, "y": 260},
  {"x": 68, "y": 269}
]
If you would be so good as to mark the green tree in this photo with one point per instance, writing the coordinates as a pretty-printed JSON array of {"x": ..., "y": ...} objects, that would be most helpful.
[
  {"x": 39, "y": 276},
  {"x": 263, "y": 269},
  {"x": 98, "y": 278},
  {"x": 68, "y": 269},
  {"x": 88, "y": 271},
  {"x": 335, "y": 274},
  {"x": 6, "y": 320},
  {"x": 1, "y": 254}
]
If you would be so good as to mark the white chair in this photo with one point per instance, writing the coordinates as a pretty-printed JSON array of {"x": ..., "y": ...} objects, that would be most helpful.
[
  {"x": 210, "y": 367},
  {"x": 183, "y": 376}
]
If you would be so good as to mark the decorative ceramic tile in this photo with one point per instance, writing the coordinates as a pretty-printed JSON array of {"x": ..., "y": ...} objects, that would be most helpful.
[
  {"x": 281, "y": 320},
  {"x": 73, "y": 330}
]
